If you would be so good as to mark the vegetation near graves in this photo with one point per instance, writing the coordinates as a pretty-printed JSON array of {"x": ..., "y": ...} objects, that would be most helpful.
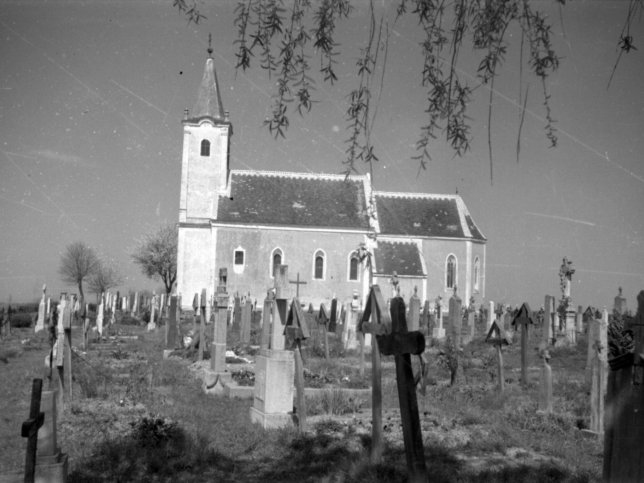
[
  {"x": 77, "y": 264},
  {"x": 156, "y": 255},
  {"x": 135, "y": 416}
]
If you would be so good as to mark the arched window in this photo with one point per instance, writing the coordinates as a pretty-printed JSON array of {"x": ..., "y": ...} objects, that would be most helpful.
[
  {"x": 277, "y": 258},
  {"x": 239, "y": 259},
  {"x": 205, "y": 147},
  {"x": 354, "y": 265},
  {"x": 319, "y": 265},
  {"x": 450, "y": 272},
  {"x": 477, "y": 274}
]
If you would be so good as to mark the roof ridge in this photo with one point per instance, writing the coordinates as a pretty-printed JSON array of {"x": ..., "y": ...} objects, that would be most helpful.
[
  {"x": 409, "y": 194},
  {"x": 297, "y": 175}
]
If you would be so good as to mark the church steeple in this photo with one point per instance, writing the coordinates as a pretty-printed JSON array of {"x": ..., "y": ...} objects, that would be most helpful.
[
  {"x": 205, "y": 159},
  {"x": 209, "y": 98}
]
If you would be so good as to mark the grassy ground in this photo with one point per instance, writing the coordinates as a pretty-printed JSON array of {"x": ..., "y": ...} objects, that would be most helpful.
[{"x": 137, "y": 417}]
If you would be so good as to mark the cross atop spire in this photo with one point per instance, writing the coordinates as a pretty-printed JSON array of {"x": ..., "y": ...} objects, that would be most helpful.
[{"x": 210, "y": 45}]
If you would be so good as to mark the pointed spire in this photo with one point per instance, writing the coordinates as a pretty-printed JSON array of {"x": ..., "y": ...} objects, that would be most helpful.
[{"x": 209, "y": 99}]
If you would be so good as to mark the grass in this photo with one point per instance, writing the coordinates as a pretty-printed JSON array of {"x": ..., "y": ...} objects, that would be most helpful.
[{"x": 138, "y": 417}]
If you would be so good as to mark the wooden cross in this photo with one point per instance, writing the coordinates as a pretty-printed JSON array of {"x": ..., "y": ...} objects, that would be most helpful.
[
  {"x": 394, "y": 339},
  {"x": 496, "y": 337},
  {"x": 297, "y": 285},
  {"x": 30, "y": 430},
  {"x": 297, "y": 330},
  {"x": 524, "y": 319}
]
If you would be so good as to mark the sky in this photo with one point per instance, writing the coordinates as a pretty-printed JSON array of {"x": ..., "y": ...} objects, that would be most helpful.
[{"x": 92, "y": 94}]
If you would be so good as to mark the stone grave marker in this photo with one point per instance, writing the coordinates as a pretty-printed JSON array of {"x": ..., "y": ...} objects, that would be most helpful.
[
  {"x": 274, "y": 367},
  {"x": 334, "y": 315},
  {"x": 414, "y": 311},
  {"x": 172, "y": 339},
  {"x": 216, "y": 378},
  {"x": 619, "y": 304},
  {"x": 135, "y": 304},
  {"x": 203, "y": 301},
  {"x": 246, "y": 313},
  {"x": 323, "y": 320},
  {"x": 456, "y": 319},
  {"x": 522, "y": 320},
  {"x": 42, "y": 311},
  {"x": 439, "y": 330},
  {"x": 425, "y": 318},
  {"x": 266, "y": 319},
  {"x": 547, "y": 328},
  {"x": 490, "y": 314},
  {"x": 545, "y": 390},
  {"x": 99, "y": 316}
]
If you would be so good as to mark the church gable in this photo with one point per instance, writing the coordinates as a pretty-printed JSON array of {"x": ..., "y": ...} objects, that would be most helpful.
[
  {"x": 410, "y": 214},
  {"x": 290, "y": 199},
  {"x": 402, "y": 258}
]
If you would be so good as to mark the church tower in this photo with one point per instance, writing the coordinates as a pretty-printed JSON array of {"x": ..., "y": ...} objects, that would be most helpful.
[
  {"x": 204, "y": 177},
  {"x": 205, "y": 157}
]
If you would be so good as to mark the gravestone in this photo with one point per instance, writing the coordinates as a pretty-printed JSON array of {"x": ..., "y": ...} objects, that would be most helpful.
[
  {"x": 456, "y": 319},
  {"x": 172, "y": 336},
  {"x": 425, "y": 319},
  {"x": 266, "y": 320},
  {"x": 471, "y": 327},
  {"x": 619, "y": 305},
  {"x": 490, "y": 314},
  {"x": 439, "y": 330},
  {"x": 135, "y": 305},
  {"x": 274, "y": 367},
  {"x": 296, "y": 331},
  {"x": 334, "y": 315},
  {"x": 579, "y": 320},
  {"x": 547, "y": 328},
  {"x": 42, "y": 314},
  {"x": 323, "y": 321},
  {"x": 99, "y": 316},
  {"x": 51, "y": 463},
  {"x": 246, "y": 313},
  {"x": 545, "y": 389},
  {"x": 413, "y": 319},
  {"x": 217, "y": 376},
  {"x": 599, "y": 377}
]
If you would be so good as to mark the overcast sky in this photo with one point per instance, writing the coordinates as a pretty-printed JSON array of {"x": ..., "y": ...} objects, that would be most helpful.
[{"x": 92, "y": 95}]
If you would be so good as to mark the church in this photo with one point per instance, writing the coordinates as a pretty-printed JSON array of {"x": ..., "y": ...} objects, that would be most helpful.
[{"x": 250, "y": 221}]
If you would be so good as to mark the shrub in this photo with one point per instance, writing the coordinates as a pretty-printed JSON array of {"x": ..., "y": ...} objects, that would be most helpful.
[
  {"x": 21, "y": 320},
  {"x": 333, "y": 401}
]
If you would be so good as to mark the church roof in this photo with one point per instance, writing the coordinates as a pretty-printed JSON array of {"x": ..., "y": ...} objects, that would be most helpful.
[
  {"x": 425, "y": 215},
  {"x": 294, "y": 199},
  {"x": 404, "y": 258},
  {"x": 209, "y": 98}
]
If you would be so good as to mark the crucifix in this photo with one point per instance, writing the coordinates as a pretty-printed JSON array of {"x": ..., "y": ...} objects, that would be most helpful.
[{"x": 297, "y": 285}]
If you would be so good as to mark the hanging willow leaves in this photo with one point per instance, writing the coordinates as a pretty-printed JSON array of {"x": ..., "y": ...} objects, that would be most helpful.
[{"x": 283, "y": 37}]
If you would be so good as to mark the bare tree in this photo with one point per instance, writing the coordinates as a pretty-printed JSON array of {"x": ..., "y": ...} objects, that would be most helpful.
[
  {"x": 156, "y": 255},
  {"x": 77, "y": 263},
  {"x": 105, "y": 277}
]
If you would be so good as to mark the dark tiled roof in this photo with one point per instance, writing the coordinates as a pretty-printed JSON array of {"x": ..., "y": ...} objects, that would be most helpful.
[
  {"x": 416, "y": 216},
  {"x": 431, "y": 216},
  {"x": 289, "y": 199},
  {"x": 400, "y": 257},
  {"x": 476, "y": 233}
]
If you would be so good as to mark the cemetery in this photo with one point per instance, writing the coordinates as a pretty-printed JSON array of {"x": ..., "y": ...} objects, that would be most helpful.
[{"x": 276, "y": 390}]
